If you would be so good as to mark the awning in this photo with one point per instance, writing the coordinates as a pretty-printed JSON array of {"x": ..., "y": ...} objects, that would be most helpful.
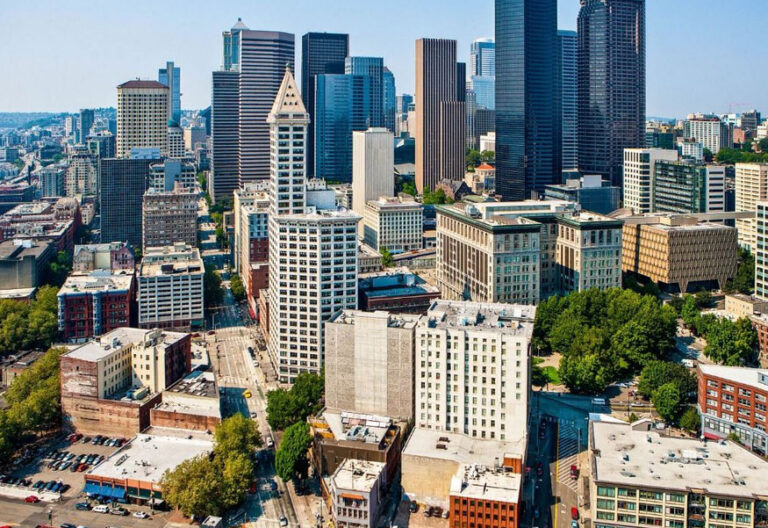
[
  {"x": 351, "y": 496},
  {"x": 92, "y": 488},
  {"x": 105, "y": 491}
]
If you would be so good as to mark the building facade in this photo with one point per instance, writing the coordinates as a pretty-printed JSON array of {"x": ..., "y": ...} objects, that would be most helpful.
[
  {"x": 708, "y": 130},
  {"x": 373, "y": 161},
  {"x": 82, "y": 177},
  {"x": 170, "y": 76},
  {"x": 169, "y": 217},
  {"x": 688, "y": 187},
  {"x": 639, "y": 169},
  {"x": 567, "y": 83},
  {"x": 751, "y": 188},
  {"x": 142, "y": 117},
  {"x": 123, "y": 183},
  {"x": 225, "y": 147},
  {"x": 393, "y": 223}
]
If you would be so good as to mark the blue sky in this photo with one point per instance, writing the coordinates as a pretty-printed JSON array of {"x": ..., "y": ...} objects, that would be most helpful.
[{"x": 703, "y": 55}]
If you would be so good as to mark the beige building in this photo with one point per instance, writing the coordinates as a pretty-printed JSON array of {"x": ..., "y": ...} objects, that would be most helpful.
[
  {"x": 678, "y": 250},
  {"x": 741, "y": 305},
  {"x": 83, "y": 173},
  {"x": 393, "y": 223},
  {"x": 369, "y": 363},
  {"x": 588, "y": 252},
  {"x": 751, "y": 187},
  {"x": 357, "y": 489},
  {"x": 373, "y": 163},
  {"x": 169, "y": 217},
  {"x": 142, "y": 117},
  {"x": 640, "y": 478}
]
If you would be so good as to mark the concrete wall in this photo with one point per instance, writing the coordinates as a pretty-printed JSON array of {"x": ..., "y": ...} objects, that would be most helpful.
[{"x": 428, "y": 480}]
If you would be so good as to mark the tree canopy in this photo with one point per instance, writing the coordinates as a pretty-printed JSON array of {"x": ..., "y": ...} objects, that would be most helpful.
[
  {"x": 237, "y": 287},
  {"x": 287, "y": 407},
  {"x": 386, "y": 257},
  {"x": 604, "y": 335},
  {"x": 744, "y": 282},
  {"x": 291, "y": 456},
  {"x": 212, "y": 291},
  {"x": 437, "y": 197},
  {"x": 668, "y": 401},
  {"x": 731, "y": 343},
  {"x": 658, "y": 373},
  {"x": 29, "y": 326},
  {"x": 733, "y": 156}
]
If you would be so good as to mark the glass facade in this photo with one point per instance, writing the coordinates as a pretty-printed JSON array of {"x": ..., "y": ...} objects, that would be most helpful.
[
  {"x": 567, "y": 137},
  {"x": 389, "y": 98},
  {"x": 680, "y": 187},
  {"x": 372, "y": 67},
  {"x": 526, "y": 33},
  {"x": 171, "y": 77}
]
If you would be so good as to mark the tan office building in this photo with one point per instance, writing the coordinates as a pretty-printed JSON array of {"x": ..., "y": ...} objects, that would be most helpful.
[
  {"x": 751, "y": 187},
  {"x": 169, "y": 217},
  {"x": 142, "y": 117}
]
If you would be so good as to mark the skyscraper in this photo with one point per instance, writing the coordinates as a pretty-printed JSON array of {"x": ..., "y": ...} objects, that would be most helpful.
[
  {"x": 611, "y": 56},
  {"x": 86, "y": 122},
  {"x": 373, "y": 155},
  {"x": 372, "y": 67},
  {"x": 440, "y": 117},
  {"x": 388, "y": 95},
  {"x": 170, "y": 76},
  {"x": 566, "y": 99},
  {"x": 320, "y": 53},
  {"x": 123, "y": 183},
  {"x": 482, "y": 58},
  {"x": 526, "y": 33},
  {"x": 225, "y": 111},
  {"x": 142, "y": 117}
]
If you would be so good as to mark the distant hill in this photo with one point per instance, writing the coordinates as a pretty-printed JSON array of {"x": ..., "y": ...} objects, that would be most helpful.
[{"x": 23, "y": 119}]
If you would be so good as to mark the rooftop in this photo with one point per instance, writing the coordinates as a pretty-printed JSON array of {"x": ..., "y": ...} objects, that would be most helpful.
[
  {"x": 118, "y": 339},
  {"x": 357, "y": 475},
  {"x": 486, "y": 483},
  {"x": 367, "y": 251},
  {"x": 394, "y": 282},
  {"x": 350, "y": 317},
  {"x": 97, "y": 281},
  {"x": 138, "y": 83},
  {"x": 18, "y": 248},
  {"x": 463, "y": 449},
  {"x": 147, "y": 457},
  {"x": 358, "y": 427},
  {"x": 171, "y": 260},
  {"x": 195, "y": 394},
  {"x": 751, "y": 377},
  {"x": 395, "y": 203},
  {"x": 513, "y": 319},
  {"x": 196, "y": 383},
  {"x": 634, "y": 456}
]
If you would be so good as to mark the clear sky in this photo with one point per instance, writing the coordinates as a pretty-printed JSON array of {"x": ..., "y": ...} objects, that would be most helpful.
[{"x": 60, "y": 55}]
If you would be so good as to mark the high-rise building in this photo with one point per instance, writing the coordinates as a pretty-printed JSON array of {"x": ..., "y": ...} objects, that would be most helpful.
[
  {"x": 751, "y": 188},
  {"x": 170, "y": 76},
  {"x": 122, "y": 183},
  {"x": 142, "y": 117},
  {"x": 101, "y": 145},
  {"x": 309, "y": 280},
  {"x": 169, "y": 217},
  {"x": 82, "y": 177},
  {"x": 484, "y": 88},
  {"x": 225, "y": 146},
  {"x": 372, "y": 67},
  {"x": 389, "y": 93},
  {"x": 482, "y": 58},
  {"x": 343, "y": 104},
  {"x": 611, "y": 56},
  {"x": 688, "y": 187},
  {"x": 567, "y": 96},
  {"x": 402, "y": 103},
  {"x": 393, "y": 223},
  {"x": 440, "y": 116},
  {"x": 85, "y": 125},
  {"x": 639, "y": 167},
  {"x": 52, "y": 181},
  {"x": 164, "y": 176},
  {"x": 175, "y": 140},
  {"x": 320, "y": 53},
  {"x": 709, "y": 130},
  {"x": 373, "y": 161},
  {"x": 526, "y": 120}
]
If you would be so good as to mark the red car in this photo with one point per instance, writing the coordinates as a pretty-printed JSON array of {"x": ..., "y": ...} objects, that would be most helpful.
[
  {"x": 32, "y": 499},
  {"x": 575, "y": 513},
  {"x": 574, "y": 471}
]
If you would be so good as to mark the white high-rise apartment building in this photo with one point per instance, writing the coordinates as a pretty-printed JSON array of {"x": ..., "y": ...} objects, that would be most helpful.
[
  {"x": 639, "y": 167},
  {"x": 472, "y": 368},
  {"x": 708, "y": 130},
  {"x": 142, "y": 117},
  {"x": 751, "y": 187},
  {"x": 373, "y": 162},
  {"x": 761, "y": 250},
  {"x": 394, "y": 224},
  {"x": 312, "y": 247}
]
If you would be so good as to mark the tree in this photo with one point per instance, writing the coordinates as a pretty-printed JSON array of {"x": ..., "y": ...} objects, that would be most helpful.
[
  {"x": 658, "y": 373},
  {"x": 59, "y": 268},
  {"x": 386, "y": 257},
  {"x": 437, "y": 197},
  {"x": 291, "y": 456},
  {"x": 703, "y": 299},
  {"x": 308, "y": 391},
  {"x": 668, "y": 401},
  {"x": 763, "y": 145},
  {"x": 730, "y": 343},
  {"x": 410, "y": 188},
  {"x": 212, "y": 291},
  {"x": 488, "y": 155},
  {"x": 287, "y": 407},
  {"x": 237, "y": 435},
  {"x": 281, "y": 411},
  {"x": 708, "y": 156},
  {"x": 689, "y": 312},
  {"x": 194, "y": 487},
  {"x": 744, "y": 281},
  {"x": 237, "y": 287},
  {"x": 690, "y": 420},
  {"x": 473, "y": 158}
]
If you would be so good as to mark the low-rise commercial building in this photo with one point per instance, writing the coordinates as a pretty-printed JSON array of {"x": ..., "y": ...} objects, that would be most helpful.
[
  {"x": 760, "y": 324},
  {"x": 641, "y": 478},
  {"x": 393, "y": 223},
  {"x": 357, "y": 491},
  {"x": 190, "y": 404},
  {"x": 396, "y": 290},
  {"x": 368, "y": 259},
  {"x": 24, "y": 263},
  {"x": 486, "y": 497},
  {"x": 734, "y": 400},
  {"x": 741, "y": 305},
  {"x": 171, "y": 288},
  {"x": 110, "y": 256},
  {"x": 686, "y": 186}
]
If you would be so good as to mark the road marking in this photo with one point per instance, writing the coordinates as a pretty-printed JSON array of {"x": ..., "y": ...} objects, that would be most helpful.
[{"x": 557, "y": 468}]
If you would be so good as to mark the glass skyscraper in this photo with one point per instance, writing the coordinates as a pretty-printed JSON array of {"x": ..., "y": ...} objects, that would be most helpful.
[
  {"x": 171, "y": 77},
  {"x": 611, "y": 76},
  {"x": 482, "y": 60},
  {"x": 567, "y": 138},
  {"x": 526, "y": 38},
  {"x": 372, "y": 67},
  {"x": 320, "y": 53},
  {"x": 389, "y": 95}
]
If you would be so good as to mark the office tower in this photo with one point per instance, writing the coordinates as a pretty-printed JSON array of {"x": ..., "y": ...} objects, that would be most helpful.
[
  {"x": 761, "y": 250},
  {"x": 169, "y": 217},
  {"x": 709, "y": 130},
  {"x": 82, "y": 177},
  {"x": 611, "y": 56},
  {"x": 396, "y": 224},
  {"x": 86, "y": 123},
  {"x": 101, "y": 145},
  {"x": 402, "y": 102},
  {"x": 751, "y": 188},
  {"x": 175, "y": 140},
  {"x": 70, "y": 125},
  {"x": 639, "y": 166},
  {"x": 225, "y": 146},
  {"x": 142, "y": 117},
  {"x": 461, "y": 81},
  {"x": 122, "y": 183},
  {"x": 566, "y": 101},
  {"x": 309, "y": 280},
  {"x": 526, "y": 120},
  {"x": 320, "y": 53},
  {"x": 170, "y": 76},
  {"x": 163, "y": 176},
  {"x": 205, "y": 115},
  {"x": 440, "y": 118},
  {"x": 343, "y": 104},
  {"x": 482, "y": 58},
  {"x": 688, "y": 187},
  {"x": 496, "y": 337},
  {"x": 484, "y": 88},
  {"x": 388, "y": 96},
  {"x": 373, "y": 161},
  {"x": 372, "y": 67}
]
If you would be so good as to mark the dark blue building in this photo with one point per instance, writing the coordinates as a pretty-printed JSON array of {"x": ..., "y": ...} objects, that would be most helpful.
[
  {"x": 372, "y": 67},
  {"x": 526, "y": 113}
]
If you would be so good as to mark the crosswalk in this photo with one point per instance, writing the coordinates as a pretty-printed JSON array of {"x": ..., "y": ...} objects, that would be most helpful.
[{"x": 568, "y": 450}]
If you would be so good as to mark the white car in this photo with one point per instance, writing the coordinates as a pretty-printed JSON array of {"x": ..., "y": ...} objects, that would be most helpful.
[
  {"x": 283, "y": 521},
  {"x": 141, "y": 515}
]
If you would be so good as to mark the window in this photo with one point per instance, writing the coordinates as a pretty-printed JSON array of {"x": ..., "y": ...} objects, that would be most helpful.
[{"x": 604, "y": 491}]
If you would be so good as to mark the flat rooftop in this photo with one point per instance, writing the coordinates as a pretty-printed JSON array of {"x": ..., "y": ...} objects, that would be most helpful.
[
  {"x": 118, "y": 339},
  {"x": 513, "y": 319},
  {"x": 97, "y": 281},
  {"x": 171, "y": 261},
  {"x": 357, "y": 475},
  {"x": 394, "y": 282},
  {"x": 351, "y": 317},
  {"x": 358, "y": 427},
  {"x": 486, "y": 483},
  {"x": 367, "y": 251},
  {"x": 632, "y": 456},
  {"x": 461, "y": 448},
  {"x": 750, "y": 377},
  {"x": 196, "y": 383},
  {"x": 147, "y": 457}
]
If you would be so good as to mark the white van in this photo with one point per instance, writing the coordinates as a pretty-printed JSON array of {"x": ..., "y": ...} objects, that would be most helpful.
[
  {"x": 598, "y": 401},
  {"x": 101, "y": 508}
]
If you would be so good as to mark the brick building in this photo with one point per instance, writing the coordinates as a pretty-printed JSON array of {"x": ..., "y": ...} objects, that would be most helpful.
[
  {"x": 191, "y": 404},
  {"x": 112, "y": 256},
  {"x": 734, "y": 400},
  {"x": 760, "y": 323}
]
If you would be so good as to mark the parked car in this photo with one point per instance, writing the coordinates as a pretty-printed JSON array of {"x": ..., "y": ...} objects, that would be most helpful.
[
  {"x": 119, "y": 511},
  {"x": 68, "y": 525},
  {"x": 83, "y": 506},
  {"x": 575, "y": 513},
  {"x": 574, "y": 471},
  {"x": 101, "y": 508},
  {"x": 283, "y": 521},
  {"x": 413, "y": 507},
  {"x": 32, "y": 499},
  {"x": 141, "y": 515}
]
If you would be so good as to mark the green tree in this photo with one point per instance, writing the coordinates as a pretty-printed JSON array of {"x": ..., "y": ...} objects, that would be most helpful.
[
  {"x": 488, "y": 156},
  {"x": 731, "y": 343},
  {"x": 703, "y": 299},
  {"x": 59, "y": 268},
  {"x": 690, "y": 311},
  {"x": 763, "y": 145},
  {"x": 194, "y": 487},
  {"x": 668, "y": 401},
  {"x": 658, "y": 373},
  {"x": 386, "y": 257},
  {"x": 410, "y": 188},
  {"x": 744, "y": 282},
  {"x": 473, "y": 158},
  {"x": 708, "y": 155},
  {"x": 237, "y": 435},
  {"x": 212, "y": 291},
  {"x": 281, "y": 410},
  {"x": 690, "y": 420},
  {"x": 287, "y": 407},
  {"x": 237, "y": 287},
  {"x": 437, "y": 197},
  {"x": 291, "y": 456},
  {"x": 308, "y": 391}
]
